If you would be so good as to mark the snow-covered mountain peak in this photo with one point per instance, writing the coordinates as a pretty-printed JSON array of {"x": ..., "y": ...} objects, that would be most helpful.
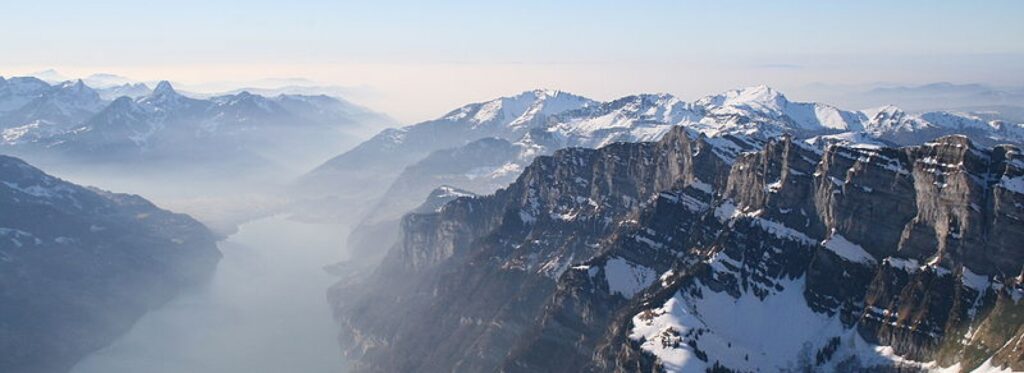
[
  {"x": 31, "y": 105},
  {"x": 164, "y": 97},
  {"x": 889, "y": 119},
  {"x": 542, "y": 92},
  {"x": 245, "y": 104},
  {"x": 760, "y": 97},
  {"x": 760, "y": 94},
  {"x": 886, "y": 111},
  {"x": 660, "y": 107},
  {"x": 643, "y": 117},
  {"x": 646, "y": 100},
  {"x": 762, "y": 109},
  {"x": 956, "y": 120},
  {"x": 520, "y": 109},
  {"x": 77, "y": 88},
  {"x": 871, "y": 113},
  {"x": 72, "y": 95}
]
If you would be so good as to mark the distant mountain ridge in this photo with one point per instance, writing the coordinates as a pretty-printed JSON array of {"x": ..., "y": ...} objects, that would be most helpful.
[
  {"x": 74, "y": 121},
  {"x": 923, "y": 98},
  {"x": 547, "y": 118},
  {"x": 28, "y": 102}
]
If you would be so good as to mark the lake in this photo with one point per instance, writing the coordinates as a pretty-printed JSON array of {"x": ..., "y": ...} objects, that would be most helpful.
[{"x": 264, "y": 310}]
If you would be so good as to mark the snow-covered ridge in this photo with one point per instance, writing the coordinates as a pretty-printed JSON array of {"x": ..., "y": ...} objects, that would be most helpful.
[
  {"x": 73, "y": 114},
  {"x": 25, "y": 101},
  {"x": 644, "y": 117},
  {"x": 571, "y": 120},
  {"x": 518, "y": 110},
  {"x": 760, "y": 111},
  {"x": 765, "y": 105},
  {"x": 540, "y": 122}
]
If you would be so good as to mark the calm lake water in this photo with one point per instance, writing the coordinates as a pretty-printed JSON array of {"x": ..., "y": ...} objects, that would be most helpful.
[{"x": 263, "y": 311}]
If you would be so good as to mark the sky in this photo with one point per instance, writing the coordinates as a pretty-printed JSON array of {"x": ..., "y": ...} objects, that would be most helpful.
[{"x": 416, "y": 60}]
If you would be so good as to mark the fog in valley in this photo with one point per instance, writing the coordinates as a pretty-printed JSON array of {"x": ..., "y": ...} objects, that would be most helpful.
[
  {"x": 264, "y": 310},
  {"x": 349, "y": 241},
  {"x": 264, "y": 307}
]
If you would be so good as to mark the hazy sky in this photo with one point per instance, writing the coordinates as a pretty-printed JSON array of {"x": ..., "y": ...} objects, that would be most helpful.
[{"x": 422, "y": 58}]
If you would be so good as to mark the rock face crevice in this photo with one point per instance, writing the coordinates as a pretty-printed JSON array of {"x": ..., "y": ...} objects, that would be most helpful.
[{"x": 572, "y": 266}]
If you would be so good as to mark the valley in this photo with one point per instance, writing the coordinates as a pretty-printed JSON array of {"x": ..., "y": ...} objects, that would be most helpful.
[
  {"x": 542, "y": 231},
  {"x": 263, "y": 311}
]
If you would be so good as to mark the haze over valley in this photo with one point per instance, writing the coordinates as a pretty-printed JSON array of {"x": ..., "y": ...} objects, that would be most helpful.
[{"x": 459, "y": 186}]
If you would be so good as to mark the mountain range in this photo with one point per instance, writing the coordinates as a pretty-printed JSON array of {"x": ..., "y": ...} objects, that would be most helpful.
[
  {"x": 484, "y": 146},
  {"x": 681, "y": 255},
  {"x": 547, "y": 231},
  {"x": 74, "y": 122},
  {"x": 739, "y": 232}
]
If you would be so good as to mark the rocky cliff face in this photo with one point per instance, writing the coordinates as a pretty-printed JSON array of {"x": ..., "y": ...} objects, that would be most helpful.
[
  {"x": 78, "y": 266},
  {"x": 522, "y": 132},
  {"x": 689, "y": 254}
]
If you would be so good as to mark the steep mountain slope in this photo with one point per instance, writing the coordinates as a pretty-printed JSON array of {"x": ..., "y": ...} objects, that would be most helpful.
[
  {"x": 361, "y": 173},
  {"x": 78, "y": 266},
  {"x": 485, "y": 165},
  {"x": 480, "y": 167},
  {"x": 674, "y": 255}
]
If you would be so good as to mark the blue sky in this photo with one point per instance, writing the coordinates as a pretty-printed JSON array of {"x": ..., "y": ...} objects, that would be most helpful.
[{"x": 406, "y": 49}]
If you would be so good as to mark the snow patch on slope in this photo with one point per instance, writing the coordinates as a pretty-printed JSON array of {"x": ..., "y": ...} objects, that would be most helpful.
[
  {"x": 847, "y": 250},
  {"x": 974, "y": 281},
  {"x": 989, "y": 367},
  {"x": 627, "y": 279},
  {"x": 746, "y": 332},
  {"x": 1013, "y": 184},
  {"x": 695, "y": 329}
]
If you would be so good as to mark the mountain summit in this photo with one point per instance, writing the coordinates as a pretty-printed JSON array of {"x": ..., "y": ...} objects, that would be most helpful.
[{"x": 164, "y": 88}]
